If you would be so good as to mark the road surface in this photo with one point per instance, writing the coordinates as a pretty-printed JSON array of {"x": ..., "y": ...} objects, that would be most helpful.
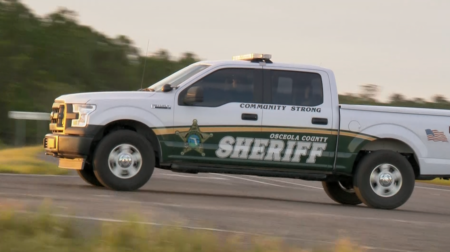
[{"x": 295, "y": 210}]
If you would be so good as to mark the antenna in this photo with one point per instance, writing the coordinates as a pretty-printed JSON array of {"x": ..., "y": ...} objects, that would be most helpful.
[{"x": 145, "y": 63}]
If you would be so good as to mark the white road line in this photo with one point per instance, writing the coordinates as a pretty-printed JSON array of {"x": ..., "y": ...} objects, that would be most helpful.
[
  {"x": 380, "y": 219},
  {"x": 187, "y": 176},
  {"x": 291, "y": 183},
  {"x": 386, "y": 249},
  {"x": 432, "y": 188},
  {"x": 149, "y": 223},
  {"x": 205, "y": 229},
  {"x": 37, "y": 175},
  {"x": 96, "y": 197},
  {"x": 251, "y": 180},
  {"x": 29, "y": 195}
]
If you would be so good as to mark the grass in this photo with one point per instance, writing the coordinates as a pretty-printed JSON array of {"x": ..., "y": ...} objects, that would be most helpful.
[
  {"x": 2, "y": 145},
  {"x": 25, "y": 161},
  {"x": 436, "y": 182},
  {"x": 44, "y": 232}
]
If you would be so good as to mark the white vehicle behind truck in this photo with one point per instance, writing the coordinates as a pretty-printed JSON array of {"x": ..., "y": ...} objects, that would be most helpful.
[{"x": 251, "y": 116}]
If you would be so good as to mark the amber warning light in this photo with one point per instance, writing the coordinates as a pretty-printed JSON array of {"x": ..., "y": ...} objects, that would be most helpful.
[{"x": 253, "y": 56}]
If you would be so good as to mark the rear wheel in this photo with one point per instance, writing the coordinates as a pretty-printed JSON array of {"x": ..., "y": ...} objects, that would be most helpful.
[
  {"x": 342, "y": 192},
  {"x": 384, "y": 179},
  {"x": 124, "y": 161},
  {"x": 87, "y": 174}
]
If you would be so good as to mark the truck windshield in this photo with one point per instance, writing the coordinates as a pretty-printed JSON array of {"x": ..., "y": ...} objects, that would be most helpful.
[{"x": 178, "y": 77}]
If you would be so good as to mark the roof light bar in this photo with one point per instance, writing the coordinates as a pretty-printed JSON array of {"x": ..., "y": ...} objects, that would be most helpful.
[{"x": 253, "y": 56}]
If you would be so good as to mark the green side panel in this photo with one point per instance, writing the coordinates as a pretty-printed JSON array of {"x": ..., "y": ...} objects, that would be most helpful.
[
  {"x": 194, "y": 144},
  {"x": 200, "y": 146},
  {"x": 348, "y": 150}
]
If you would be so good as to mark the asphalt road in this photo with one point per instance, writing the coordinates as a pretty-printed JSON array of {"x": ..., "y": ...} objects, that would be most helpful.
[{"x": 295, "y": 210}]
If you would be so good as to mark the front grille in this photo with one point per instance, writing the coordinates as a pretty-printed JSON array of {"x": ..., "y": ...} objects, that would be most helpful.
[
  {"x": 60, "y": 116},
  {"x": 54, "y": 111},
  {"x": 57, "y": 118},
  {"x": 45, "y": 143}
]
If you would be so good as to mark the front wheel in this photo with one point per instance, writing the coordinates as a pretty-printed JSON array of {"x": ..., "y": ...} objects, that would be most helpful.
[
  {"x": 342, "y": 192},
  {"x": 384, "y": 179},
  {"x": 87, "y": 174},
  {"x": 124, "y": 161}
]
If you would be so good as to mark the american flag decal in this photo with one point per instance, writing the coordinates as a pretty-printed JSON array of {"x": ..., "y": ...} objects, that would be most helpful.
[{"x": 436, "y": 136}]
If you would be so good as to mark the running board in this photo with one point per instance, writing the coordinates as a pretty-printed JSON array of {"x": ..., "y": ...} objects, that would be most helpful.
[{"x": 262, "y": 173}]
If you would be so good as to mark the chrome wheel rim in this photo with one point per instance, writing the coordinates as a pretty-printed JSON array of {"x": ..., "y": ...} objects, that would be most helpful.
[
  {"x": 125, "y": 161},
  {"x": 386, "y": 180}
]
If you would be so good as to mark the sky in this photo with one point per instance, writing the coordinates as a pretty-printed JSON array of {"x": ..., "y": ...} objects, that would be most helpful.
[{"x": 403, "y": 46}]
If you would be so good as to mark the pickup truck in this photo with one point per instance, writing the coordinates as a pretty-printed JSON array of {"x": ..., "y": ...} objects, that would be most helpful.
[{"x": 251, "y": 116}]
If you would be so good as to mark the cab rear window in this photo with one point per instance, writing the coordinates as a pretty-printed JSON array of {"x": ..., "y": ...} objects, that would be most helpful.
[{"x": 295, "y": 88}]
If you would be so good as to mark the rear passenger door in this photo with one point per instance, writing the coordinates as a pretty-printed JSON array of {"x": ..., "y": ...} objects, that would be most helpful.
[{"x": 297, "y": 117}]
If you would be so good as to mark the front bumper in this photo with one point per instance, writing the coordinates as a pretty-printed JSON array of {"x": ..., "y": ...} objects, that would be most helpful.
[{"x": 64, "y": 146}]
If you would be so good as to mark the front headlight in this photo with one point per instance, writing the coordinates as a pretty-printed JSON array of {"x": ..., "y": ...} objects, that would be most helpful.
[{"x": 83, "y": 111}]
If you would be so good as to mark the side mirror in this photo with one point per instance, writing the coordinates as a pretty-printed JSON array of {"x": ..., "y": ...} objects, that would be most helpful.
[
  {"x": 166, "y": 88},
  {"x": 193, "y": 95}
]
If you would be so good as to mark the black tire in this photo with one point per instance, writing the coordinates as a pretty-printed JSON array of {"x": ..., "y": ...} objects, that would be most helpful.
[
  {"x": 337, "y": 192},
  {"x": 102, "y": 164},
  {"x": 87, "y": 174},
  {"x": 364, "y": 187}
]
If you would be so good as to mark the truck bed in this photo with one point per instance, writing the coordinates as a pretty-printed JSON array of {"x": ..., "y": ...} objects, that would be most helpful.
[{"x": 425, "y": 131}]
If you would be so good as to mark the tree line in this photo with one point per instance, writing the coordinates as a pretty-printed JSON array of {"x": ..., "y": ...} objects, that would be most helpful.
[
  {"x": 369, "y": 92},
  {"x": 42, "y": 58}
]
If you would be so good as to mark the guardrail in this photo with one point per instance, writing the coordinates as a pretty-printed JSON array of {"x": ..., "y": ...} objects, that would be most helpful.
[
  {"x": 20, "y": 128},
  {"x": 36, "y": 116}
]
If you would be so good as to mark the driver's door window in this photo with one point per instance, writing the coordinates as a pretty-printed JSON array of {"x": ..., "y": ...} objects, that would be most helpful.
[{"x": 226, "y": 86}]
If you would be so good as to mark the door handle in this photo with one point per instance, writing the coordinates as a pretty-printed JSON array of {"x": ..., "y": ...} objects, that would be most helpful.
[
  {"x": 321, "y": 121},
  {"x": 250, "y": 117}
]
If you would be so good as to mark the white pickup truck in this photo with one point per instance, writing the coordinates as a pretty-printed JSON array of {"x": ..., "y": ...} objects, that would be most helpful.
[{"x": 251, "y": 116}]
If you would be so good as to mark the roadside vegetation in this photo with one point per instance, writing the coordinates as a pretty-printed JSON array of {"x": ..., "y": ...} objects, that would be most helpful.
[
  {"x": 26, "y": 161},
  {"x": 2, "y": 145},
  {"x": 438, "y": 182},
  {"x": 43, "y": 232}
]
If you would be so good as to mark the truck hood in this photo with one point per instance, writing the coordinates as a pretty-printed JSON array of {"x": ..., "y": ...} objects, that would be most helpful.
[{"x": 86, "y": 97}]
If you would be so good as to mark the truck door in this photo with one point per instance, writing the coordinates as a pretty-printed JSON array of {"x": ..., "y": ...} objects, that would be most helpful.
[
  {"x": 297, "y": 117},
  {"x": 212, "y": 115}
]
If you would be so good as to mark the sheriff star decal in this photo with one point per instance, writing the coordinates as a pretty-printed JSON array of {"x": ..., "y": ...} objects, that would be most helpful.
[{"x": 193, "y": 139}]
